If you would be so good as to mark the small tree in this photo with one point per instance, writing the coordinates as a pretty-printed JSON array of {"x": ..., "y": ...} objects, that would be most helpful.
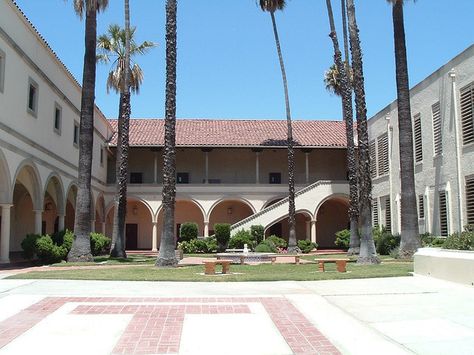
[
  {"x": 222, "y": 232},
  {"x": 188, "y": 231},
  {"x": 257, "y": 232}
]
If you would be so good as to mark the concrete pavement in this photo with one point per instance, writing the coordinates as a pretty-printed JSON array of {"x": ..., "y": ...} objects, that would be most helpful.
[{"x": 371, "y": 316}]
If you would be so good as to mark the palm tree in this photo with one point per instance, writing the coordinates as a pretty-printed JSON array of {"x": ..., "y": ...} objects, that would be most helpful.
[
  {"x": 81, "y": 249},
  {"x": 167, "y": 256},
  {"x": 338, "y": 80},
  {"x": 367, "y": 254},
  {"x": 271, "y": 6},
  {"x": 113, "y": 47},
  {"x": 410, "y": 238}
]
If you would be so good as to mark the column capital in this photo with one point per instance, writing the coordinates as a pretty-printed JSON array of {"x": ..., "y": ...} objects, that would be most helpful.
[{"x": 6, "y": 205}]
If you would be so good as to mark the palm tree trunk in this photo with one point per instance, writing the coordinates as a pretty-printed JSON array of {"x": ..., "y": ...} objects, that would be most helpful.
[
  {"x": 344, "y": 31},
  {"x": 117, "y": 249},
  {"x": 167, "y": 256},
  {"x": 81, "y": 249},
  {"x": 410, "y": 239},
  {"x": 292, "y": 246},
  {"x": 347, "y": 113},
  {"x": 367, "y": 253}
]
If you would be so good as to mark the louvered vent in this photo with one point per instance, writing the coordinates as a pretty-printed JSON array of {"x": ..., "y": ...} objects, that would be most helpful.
[
  {"x": 388, "y": 215},
  {"x": 421, "y": 207},
  {"x": 373, "y": 162},
  {"x": 417, "y": 138},
  {"x": 437, "y": 137},
  {"x": 443, "y": 213},
  {"x": 467, "y": 108},
  {"x": 470, "y": 200},
  {"x": 382, "y": 143},
  {"x": 375, "y": 213}
]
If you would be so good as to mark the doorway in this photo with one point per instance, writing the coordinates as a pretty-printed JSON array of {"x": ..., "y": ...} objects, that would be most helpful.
[{"x": 131, "y": 236}]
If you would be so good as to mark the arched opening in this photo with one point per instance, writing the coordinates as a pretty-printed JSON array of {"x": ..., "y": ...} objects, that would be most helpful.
[
  {"x": 70, "y": 207},
  {"x": 52, "y": 205},
  {"x": 332, "y": 216},
  {"x": 281, "y": 229},
  {"x": 138, "y": 225},
  {"x": 100, "y": 214},
  {"x": 185, "y": 211},
  {"x": 26, "y": 192},
  {"x": 228, "y": 211}
]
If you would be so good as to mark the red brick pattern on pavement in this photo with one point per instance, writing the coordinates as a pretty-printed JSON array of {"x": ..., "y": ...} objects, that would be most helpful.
[{"x": 157, "y": 325}]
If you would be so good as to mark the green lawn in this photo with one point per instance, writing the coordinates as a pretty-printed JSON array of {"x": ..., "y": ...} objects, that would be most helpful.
[{"x": 263, "y": 272}]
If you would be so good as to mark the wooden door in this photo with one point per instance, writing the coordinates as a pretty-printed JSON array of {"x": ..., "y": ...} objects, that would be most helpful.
[{"x": 131, "y": 236}]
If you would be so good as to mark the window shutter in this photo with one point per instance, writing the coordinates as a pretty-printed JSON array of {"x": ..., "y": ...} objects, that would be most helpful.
[
  {"x": 421, "y": 207},
  {"x": 467, "y": 108},
  {"x": 470, "y": 200},
  {"x": 437, "y": 137},
  {"x": 443, "y": 213},
  {"x": 417, "y": 138},
  {"x": 382, "y": 143},
  {"x": 373, "y": 162}
]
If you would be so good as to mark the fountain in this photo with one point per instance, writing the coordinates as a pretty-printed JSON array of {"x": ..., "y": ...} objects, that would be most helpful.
[{"x": 245, "y": 256}]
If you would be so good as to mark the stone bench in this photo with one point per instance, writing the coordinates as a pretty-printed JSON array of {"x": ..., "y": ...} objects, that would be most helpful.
[
  {"x": 340, "y": 264},
  {"x": 210, "y": 266},
  {"x": 296, "y": 257}
]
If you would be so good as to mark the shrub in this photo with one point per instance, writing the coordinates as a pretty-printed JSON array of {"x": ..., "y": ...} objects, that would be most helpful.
[
  {"x": 266, "y": 247},
  {"x": 428, "y": 240},
  {"x": 29, "y": 245},
  {"x": 48, "y": 252},
  {"x": 460, "y": 241},
  {"x": 100, "y": 244},
  {"x": 343, "y": 239},
  {"x": 279, "y": 243},
  {"x": 385, "y": 242},
  {"x": 258, "y": 232},
  {"x": 188, "y": 231},
  {"x": 306, "y": 246},
  {"x": 222, "y": 232},
  {"x": 211, "y": 243},
  {"x": 196, "y": 246},
  {"x": 240, "y": 238}
]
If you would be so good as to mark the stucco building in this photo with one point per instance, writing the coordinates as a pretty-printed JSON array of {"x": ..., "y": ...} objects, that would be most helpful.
[
  {"x": 232, "y": 171},
  {"x": 442, "y": 106}
]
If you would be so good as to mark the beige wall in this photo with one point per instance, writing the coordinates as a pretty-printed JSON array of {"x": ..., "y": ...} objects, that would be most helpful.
[
  {"x": 332, "y": 217},
  {"x": 220, "y": 213}
]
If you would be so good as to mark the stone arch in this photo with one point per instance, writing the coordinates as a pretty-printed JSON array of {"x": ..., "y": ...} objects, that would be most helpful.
[
  {"x": 28, "y": 175},
  {"x": 186, "y": 210},
  {"x": 5, "y": 180},
  {"x": 229, "y": 210},
  {"x": 53, "y": 203},
  {"x": 58, "y": 189},
  {"x": 280, "y": 227},
  {"x": 331, "y": 217},
  {"x": 138, "y": 223},
  {"x": 70, "y": 205},
  {"x": 272, "y": 201}
]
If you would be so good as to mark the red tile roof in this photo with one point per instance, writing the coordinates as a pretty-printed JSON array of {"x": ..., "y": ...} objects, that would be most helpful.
[{"x": 234, "y": 133}]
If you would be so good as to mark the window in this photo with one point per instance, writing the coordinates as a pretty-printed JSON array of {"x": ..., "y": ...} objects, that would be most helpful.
[
  {"x": 443, "y": 213},
  {"x": 2, "y": 70},
  {"x": 182, "y": 178},
  {"x": 388, "y": 215},
  {"x": 58, "y": 113},
  {"x": 373, "y": 162},
  {"x": 101, "y": 156},
  {"x": 437, "y": 137},
  {"x": 467, "y": 116},
  {"x": 382, "y": 147},
  {"x": 76, "y": 134},
  {"x": 274, "y": 178},
  {"x": 421, "y": 207},
  {"x": 375, "y": 213},
  {"x": 417, "y": 138},
  {"x": 32, "y": 97},
  {"x": 470, "y": 200},
  {"x": 136, "y": 178}
]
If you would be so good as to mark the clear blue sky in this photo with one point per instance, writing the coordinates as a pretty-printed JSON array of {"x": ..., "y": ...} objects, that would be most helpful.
[{"x": 227, "y": 63}]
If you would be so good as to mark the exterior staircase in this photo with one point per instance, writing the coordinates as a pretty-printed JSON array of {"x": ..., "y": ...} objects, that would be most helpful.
[{"x": 308, "y": 199}]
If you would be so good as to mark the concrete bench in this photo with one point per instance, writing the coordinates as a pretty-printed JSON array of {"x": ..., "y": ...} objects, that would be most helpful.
[
  {"x": 210, "y": 266},
  {"x": 340, "y": 264},
  {"x": 296, "y": 257}
]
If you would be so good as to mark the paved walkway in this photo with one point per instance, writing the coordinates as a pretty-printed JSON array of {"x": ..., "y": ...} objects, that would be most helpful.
[{"x": 373, "y": 316}]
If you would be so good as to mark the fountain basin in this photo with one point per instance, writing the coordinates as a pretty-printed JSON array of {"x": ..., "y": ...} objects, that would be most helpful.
[{"x": 241, "y": 258}]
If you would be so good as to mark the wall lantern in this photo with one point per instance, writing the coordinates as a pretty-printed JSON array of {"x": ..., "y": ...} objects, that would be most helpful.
[{"x": 229, "y": 210}]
